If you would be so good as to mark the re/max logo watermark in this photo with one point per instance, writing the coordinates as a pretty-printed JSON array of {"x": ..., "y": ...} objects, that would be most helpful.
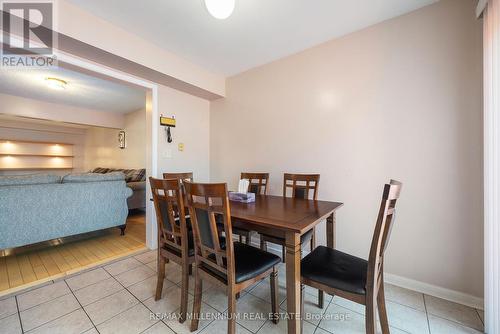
[{"x": 28, "y": 37}]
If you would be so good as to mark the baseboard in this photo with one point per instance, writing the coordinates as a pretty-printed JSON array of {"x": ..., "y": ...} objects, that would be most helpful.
[
  {"x": 408, "y": 283},
  {"x": 436, "y": 291}
]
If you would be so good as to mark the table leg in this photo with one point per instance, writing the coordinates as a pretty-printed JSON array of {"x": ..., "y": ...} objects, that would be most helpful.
[
  {"x": 293, "y": 282},
  {"x": 330, "y": 230}
]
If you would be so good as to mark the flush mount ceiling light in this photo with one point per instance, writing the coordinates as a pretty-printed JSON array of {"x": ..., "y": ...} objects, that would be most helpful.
[
  {"x": 220, "y": 9},
  {"x": 56, "y": 83}
]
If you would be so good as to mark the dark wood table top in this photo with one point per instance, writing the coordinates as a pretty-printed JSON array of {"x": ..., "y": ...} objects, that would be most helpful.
[{"x": 284, "y": 213}]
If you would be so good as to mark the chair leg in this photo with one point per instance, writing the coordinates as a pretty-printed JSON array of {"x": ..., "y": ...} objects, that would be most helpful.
[
  {"x": 274, "y": 296},
  {"x": 321, "y": 298},
  {"x": 184, "y": 292},
  {"x": 313, "y": 239},
  {"x": 198, "y": 285},
  {"x": 231, "y": 313},
  {"x": 160, "y": 277},
  {"x": 371, "y": 314},
  {"x": 302, "y": 301},
  {"x": 382, "y": 311}
]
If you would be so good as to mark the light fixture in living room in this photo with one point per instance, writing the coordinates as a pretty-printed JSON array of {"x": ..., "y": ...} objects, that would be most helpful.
[
  {"x": 220, "y": 9},
  {"x": 56, "y": 83}
]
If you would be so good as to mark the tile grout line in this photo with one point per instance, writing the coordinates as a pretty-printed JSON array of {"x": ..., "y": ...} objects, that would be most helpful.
[
  {"x": 427, "y": 314},
  {"x": 326, "y": 309},
  {"x": 93, "y": 325},
  {"x": 45, "y": 302},
  {"x": 19, "y": 314},
  {"x": 140, "y": 302},
  {"x": 482, "y": 321},
  {"x": 57, "y": 318},
  {"x": 451, "y": 320}
]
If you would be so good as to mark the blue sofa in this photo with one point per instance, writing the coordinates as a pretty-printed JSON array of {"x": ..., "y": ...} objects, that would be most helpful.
[{"x": 37, "y": 208}]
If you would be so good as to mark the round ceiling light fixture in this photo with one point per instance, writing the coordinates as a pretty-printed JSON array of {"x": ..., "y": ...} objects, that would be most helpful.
[
  {"x": 220, "y": 9},
  {"x": 56, "y": 83}
]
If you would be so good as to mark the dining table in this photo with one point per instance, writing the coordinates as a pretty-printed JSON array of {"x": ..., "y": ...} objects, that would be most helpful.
[{"x": 287, "y": 218}]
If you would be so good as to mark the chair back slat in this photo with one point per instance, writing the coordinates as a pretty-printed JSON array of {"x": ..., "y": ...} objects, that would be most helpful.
[
  {"x": 301, "y": 185},
  {"x": 170, "y": 214},
  {"x": 187, "y": 176},
  {"x": 383, "y": 228},
  {"x": 258, "y": 182},
  {"x": 210, "y": 216}
]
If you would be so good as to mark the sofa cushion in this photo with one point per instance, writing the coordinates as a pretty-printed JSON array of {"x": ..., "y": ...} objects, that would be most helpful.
[
  {"x": 134, "y": 175},
  {"x": 29, "y": 179},
  {"x": 100, "y": 170},
  {"x": 131, "y": 175},
  {"x": 93, "y": 177}
]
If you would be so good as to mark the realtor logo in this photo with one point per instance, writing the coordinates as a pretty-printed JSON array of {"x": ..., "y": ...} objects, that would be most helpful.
[{"x": 28, "y": 34}]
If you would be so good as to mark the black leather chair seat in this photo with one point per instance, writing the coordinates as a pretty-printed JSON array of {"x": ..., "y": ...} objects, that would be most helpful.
[
  {"x": 249, "y": 262},
  {"x": 335, "y": 269}
]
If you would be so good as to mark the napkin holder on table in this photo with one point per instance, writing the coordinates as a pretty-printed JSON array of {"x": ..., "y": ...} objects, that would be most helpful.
[{"x": 242, "y": 195}]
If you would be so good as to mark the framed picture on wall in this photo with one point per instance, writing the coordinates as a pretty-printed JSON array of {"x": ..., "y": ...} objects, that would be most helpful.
[{"x": 122, "y": 139}]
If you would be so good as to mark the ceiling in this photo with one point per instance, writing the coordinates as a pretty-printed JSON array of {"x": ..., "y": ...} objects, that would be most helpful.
[
  {"x": 258, "y": 32},
  {"x": 84, "y": 90}
]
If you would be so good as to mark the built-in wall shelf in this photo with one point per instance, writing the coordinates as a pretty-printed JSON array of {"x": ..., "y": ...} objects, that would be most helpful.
[
  {"x": 36, "y": 155},
  {"x": 31, "y": 155},
  {"x": 38, "y": 168}
]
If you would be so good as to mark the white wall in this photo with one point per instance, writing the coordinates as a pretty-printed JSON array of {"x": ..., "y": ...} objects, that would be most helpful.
[
  {"x": 192, "y": 129},
  {"x": 401, "y": 100},
  {"x": 96, "y": 32},
  {"x": 102, "y": 149},
  {"x": 20, "y": 106}
]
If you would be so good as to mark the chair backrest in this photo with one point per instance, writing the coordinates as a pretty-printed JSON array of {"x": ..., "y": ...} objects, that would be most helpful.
[
  {"x": 170, "y": 215},
  {"x": 383, "y": 227},
  {"x": 210, "y": 216},
  {"x": 188, "y": 176},
  {"x": 301, "y": 185},
  {"x": 258, "y": 182}
]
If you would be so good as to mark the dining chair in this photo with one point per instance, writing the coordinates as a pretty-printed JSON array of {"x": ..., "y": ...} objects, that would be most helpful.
[
  {"x": 175, "y": 242},
  {"x": 353, "y": 278},
  {"x": 300, "y": 185},
  {"x": 258, "y": 185},
  {"x": 235, "y": 266},
  {"x": 185, "y": 176}
]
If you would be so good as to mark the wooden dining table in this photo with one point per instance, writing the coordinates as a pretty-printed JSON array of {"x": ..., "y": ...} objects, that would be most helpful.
[{"x": 288, "y": 218}]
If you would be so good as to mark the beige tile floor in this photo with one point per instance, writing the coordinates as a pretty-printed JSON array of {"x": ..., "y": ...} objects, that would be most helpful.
[{"x": 118, "y": 298}]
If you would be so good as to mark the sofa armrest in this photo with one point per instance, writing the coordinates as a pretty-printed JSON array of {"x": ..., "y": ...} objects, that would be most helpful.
[{"x": 141, "y": 185}]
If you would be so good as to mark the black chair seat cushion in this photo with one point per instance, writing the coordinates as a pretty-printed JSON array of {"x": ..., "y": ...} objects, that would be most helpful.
[
  {"x": 249, "y": 262},
  {"x": 335, "y": 269}
]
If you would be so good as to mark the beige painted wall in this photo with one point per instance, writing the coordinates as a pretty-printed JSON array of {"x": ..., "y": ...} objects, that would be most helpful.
[
  {"x": 402, "y": 100},
  {"x": 102, "y": 149},
  {"x": 192, "y": 129},
  {"x": 19, "y": 130}
]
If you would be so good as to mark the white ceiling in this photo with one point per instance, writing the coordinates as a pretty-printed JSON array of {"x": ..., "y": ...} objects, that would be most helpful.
[
  {"x": 83, "y": 90},
  {"x": 258, "y": 32}
]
